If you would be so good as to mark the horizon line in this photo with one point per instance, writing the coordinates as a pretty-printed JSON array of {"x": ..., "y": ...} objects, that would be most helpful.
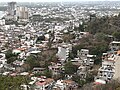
[{"x": 64, "y": 1}]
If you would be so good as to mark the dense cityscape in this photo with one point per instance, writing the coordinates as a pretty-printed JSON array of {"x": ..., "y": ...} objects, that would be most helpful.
[{"x": 60, "y": 45}]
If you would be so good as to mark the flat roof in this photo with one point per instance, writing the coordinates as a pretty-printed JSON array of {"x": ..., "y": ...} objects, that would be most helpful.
[{"x": 116, "y": 42}]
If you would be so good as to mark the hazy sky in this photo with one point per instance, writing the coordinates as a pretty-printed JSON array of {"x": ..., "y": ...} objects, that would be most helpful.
[{"x": 51, "y": 0}]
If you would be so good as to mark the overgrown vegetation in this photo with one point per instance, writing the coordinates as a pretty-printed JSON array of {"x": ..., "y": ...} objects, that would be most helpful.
[
  {"x": 10, "y": 56},
  {"x": 12, "y": 83}
]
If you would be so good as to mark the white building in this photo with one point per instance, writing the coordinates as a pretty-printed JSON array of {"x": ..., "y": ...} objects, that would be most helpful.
[
  {"x": 115, "y": 45},
  {"x": 83, "y": 53},
  {"x": 85, "y": 57},
  {"x": 63, "y": 51},
  {"x": 106, "y": 73},
  {"x": 22, "y": 12},
  {"x": 65, "y": 85},
  {"x": 82, "y": 71},
  {"x": 55, "y": 68},
  {"x": 2, "y": 22},
  {"x": 59, "y": 84},
  {"x": 11, "y": 8},
  {"x": 3, "y": 61},
  {"x": 110, "y": 66}
]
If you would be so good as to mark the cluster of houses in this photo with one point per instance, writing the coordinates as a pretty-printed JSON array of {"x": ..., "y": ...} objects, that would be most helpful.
[
  {"x": 86, "y": 62},
  {"x": 36, "y": 37},
  {"x": 32, "y": 39},
  {"x": 110, "y": 64},
  {"x": 26, "y": 44},
  {"x": 29, "y": 40},
  {"x": 43, "y": 83}
]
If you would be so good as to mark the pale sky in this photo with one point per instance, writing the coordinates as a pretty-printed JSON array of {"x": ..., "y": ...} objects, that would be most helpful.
[{"x": 51, "y": 0}]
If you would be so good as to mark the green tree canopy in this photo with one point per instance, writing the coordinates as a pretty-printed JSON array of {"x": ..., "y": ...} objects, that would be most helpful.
[
  {"x": 70, "y": 68},
  {"x": 32, "y": 61},
  {"x": 10, "y": 56},
  {"x": 117, "y": 35},
  {"x": 12, "y": 83}
]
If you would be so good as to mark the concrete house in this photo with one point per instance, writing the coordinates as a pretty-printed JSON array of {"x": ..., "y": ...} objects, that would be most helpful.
[
  {"x": 55, "y": 68},
  {"x": 3, "y": 60},
  {"x": 115, "y": 45}
]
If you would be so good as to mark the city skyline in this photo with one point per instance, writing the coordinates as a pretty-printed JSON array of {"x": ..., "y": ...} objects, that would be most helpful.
[{"x": 54, "y": 0}]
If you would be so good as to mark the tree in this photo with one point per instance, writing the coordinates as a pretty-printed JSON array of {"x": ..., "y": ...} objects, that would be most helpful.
[
  {"x": 79, "y": 81},
  {"x": 81, "y": 27},
  {"x": 70, "y": 68},
  {"x": 67, "y": 37},
  {"x": 12, "y": 83},
  {"x": 89, "y": 78},
  {"x": 32, "y": 62},
  {"x": 116, "y": 35},
  {"x": 11, "y": 59},
  {"x": 10, "y": 56},
  {"x": 51, "y": 38},
  {"x": 97, "y": 49},
  {"x": 102, "y": 37},
  {"x": 48, "y": 73},
  {"x": 40, "y": 38},
  {"x": 75, "y": 49}
]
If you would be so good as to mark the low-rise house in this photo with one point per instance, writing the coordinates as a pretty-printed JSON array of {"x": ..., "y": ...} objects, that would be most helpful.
[
  {"x": 24, "y": 73},
  {"x": 84, "y": 34},
  {"x": 82, "y": 54},
  {"x": 99, "y": 82},
  {"x": 3, "y": 60},
  {"x": 24, "y": 87},
  {"x": 106, "y": 73},
  {"x": 6, "y": 73},
  {"x": 20, "y": 69},
  {"x": 80, "y": 35},
  {"x": 59, "y": 85},
  {"x": 9, "y": 67},
  {"x": 32, "y": 51},
  {"x": 108, "y": 59},
  {"x": 90, "y": 60},
  {"x": 115, "y": 45},
  {"x": 76, "y": 61},
  {"x": 2, "y": 22},
  {"x": 55, "y": 68},
  {"x": 70, "y": 85},
  {"x": 38, "y": 70},
  {"x": 110, "y": 66},
  {"x": 43, "y": 83},
  {"x": 82, "y": 71},
  {"x": 86, "y": 58},
  {"x": 65, "y": 85},
  {"x": 16, "y": 51},
  {"x": 18, "y": 63}
]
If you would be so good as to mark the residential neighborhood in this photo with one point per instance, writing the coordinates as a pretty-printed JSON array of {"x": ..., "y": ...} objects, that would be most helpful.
[{"x": 60, "y": 46}]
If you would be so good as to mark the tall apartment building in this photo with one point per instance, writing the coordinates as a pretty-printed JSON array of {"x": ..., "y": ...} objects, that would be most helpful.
[
  {"x": 22, "y": 12},
  {"x": 63, "y": 52},
  {"x": 11, "y": 8}
]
